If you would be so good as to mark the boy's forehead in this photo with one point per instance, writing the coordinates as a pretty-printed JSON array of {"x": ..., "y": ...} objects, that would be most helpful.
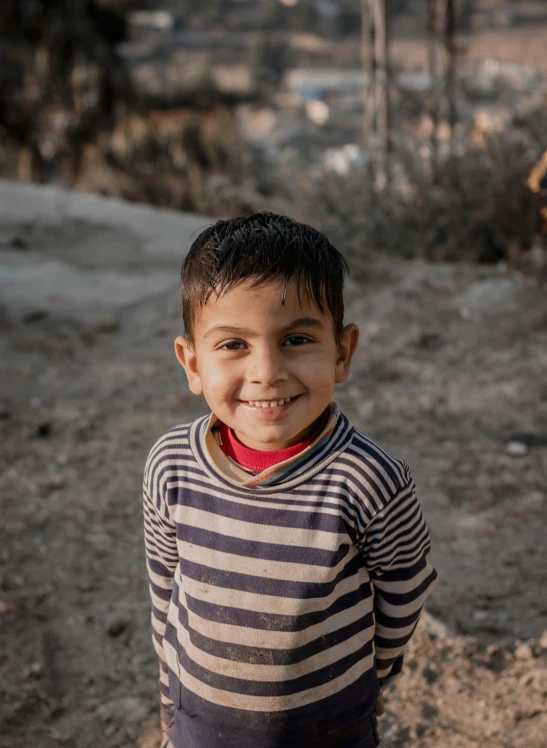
[{"x": 250, "y": 305}]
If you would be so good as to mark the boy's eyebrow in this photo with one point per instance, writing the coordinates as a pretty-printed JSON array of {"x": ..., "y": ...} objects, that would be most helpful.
[{"x": 300, "y": 322}]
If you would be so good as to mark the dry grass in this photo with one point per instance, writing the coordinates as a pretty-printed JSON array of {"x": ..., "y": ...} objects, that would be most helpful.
[{"x": 477, "y": 207}]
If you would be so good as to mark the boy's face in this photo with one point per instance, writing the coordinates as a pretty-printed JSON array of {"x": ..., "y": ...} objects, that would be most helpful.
[{"x": 252, "y": 352}]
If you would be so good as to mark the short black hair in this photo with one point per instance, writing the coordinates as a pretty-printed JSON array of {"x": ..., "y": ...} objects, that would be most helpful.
[{"x": 263, "y": 247}]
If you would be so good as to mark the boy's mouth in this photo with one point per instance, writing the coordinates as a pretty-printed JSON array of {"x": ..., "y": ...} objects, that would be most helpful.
[{"x": 270, "y": 403}]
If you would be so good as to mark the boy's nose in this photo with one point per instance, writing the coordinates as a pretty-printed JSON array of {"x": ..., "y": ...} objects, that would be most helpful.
[{"x": 267, "y": 368}]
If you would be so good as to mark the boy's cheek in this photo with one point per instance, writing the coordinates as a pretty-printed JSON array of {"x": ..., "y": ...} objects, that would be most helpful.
[{"x": 217, "y": 385}]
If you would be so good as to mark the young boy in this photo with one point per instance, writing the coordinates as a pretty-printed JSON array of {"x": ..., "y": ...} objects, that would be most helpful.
[{"x": 287, "y": 551}]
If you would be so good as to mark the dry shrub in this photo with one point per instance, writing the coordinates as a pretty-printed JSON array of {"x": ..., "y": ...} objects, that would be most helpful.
[
  {"x": 477, "y": 208},
  {"x": 163, "y": 158}
]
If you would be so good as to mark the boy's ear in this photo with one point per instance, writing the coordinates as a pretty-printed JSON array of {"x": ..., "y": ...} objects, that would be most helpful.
[
  {"x": 184, "y": 351},
  {"x": 346, "y": 348}
]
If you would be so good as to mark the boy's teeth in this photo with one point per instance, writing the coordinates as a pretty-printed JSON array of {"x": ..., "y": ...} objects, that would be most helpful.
[{"x": 268, "y": 403}]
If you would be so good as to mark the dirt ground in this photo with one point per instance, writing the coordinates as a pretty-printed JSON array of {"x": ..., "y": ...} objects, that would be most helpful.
[{"x": 450, "y": 375}]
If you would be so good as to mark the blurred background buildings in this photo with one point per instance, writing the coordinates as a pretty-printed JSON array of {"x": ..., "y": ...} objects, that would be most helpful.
[{"x": 423, "y": 148}]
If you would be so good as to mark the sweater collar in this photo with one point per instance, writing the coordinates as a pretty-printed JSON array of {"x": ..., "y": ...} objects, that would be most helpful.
[
  {"x": 333, "y": 438},
  {"x": 256, "y": 460}
]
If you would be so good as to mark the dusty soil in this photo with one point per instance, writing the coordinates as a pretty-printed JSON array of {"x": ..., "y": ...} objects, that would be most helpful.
[{"x": 450, "y": 375}]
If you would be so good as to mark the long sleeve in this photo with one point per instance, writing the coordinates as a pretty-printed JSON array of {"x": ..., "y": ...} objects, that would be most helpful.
[
  {"x": 161, "y": 561},
  {"x": 395, "y": 546}
]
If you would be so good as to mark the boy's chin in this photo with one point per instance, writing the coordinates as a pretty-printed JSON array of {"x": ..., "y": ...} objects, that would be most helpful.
[{"x": 268, "y": 438}]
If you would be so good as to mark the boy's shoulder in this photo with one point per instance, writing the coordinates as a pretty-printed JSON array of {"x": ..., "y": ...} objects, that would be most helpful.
[
  {"x": 173, "y": 444},
  {"x": 372, "y": 479},
  {"x": 374, "y": 464}
]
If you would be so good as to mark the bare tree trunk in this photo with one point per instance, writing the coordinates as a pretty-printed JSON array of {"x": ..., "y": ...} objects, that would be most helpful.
[
  {"x": 367, "y": 61},
  {"x": 442, "y": 29},
  {"x": 433, "y": 54},
  {"x": 381, "y": 95},
  {"x": 450, "y": 32},
  {"x": 374, "y": 54}
]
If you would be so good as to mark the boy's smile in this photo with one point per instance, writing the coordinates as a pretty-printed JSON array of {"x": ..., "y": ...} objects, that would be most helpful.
[{"x": 266, "y": 366}]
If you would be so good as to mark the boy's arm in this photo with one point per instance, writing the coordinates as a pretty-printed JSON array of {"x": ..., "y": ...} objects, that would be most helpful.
[
  {"x": 161, "y": 561},
  {"x": 396, "y": 545}
]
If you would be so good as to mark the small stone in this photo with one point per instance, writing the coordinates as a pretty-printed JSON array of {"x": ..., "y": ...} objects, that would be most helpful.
[
  {"x": 516, "y": 449},
  {"x": 43, "y": 430},
  {"x": 480, "y": 615},
  {"x": 537, "y": 679},
  {"x": 87, "y": 337},
  {"x": 108, "y": 325},
  {"x": 34, "y": 670},
  {"x": 495, "y": 657},
  {"x": 534, "y": 501},
  {"x": 430, "y": 341},
  {"x": 524, "y": 652},
  {"x": 116, "y": 626},
  {"x": 18, "y": 242},
  {"x": 7, "y": 608},
  {"x": 35, "y": 315},
  {"x": 543, "y": 640},
  {"x": 53, "y": 482}
]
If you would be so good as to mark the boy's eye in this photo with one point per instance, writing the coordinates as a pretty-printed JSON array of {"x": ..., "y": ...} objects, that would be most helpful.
[
  {"x": 296, "y": 340},
  {"x": 232, "y": 345}
]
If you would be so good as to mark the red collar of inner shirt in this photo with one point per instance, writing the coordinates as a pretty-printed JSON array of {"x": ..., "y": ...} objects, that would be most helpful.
[{"x": 257, "y": 460}]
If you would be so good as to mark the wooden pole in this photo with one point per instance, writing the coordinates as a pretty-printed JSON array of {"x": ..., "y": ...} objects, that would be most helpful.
[
  {"x": 450, "y": 32},
  {"x": 374, "y": 54},
  {"x": 441, "y": 57},
  {"x": 367, "y": 61},
  {"x": 433, "y": 58},
  {"x": 381, "y": 97}
]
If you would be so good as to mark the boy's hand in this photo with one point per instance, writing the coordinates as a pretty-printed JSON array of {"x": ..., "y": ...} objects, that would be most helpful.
[
  {"x": 164, "y": 727},
  {"x": 380, "y": 705}
]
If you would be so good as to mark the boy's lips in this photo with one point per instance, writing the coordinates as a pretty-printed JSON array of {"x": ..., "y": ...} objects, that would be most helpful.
[{"x": 270, "y": 408}]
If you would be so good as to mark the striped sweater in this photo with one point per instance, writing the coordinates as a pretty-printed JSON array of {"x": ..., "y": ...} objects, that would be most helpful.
[{"x": 280, "y": 601}]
